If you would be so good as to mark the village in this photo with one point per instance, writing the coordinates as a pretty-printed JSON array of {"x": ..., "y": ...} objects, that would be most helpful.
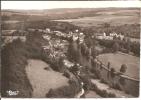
[
  {"x": 74, "y": 52},
  {"x": 69, "y": 50},
  {"x": 14, "y": 34}
]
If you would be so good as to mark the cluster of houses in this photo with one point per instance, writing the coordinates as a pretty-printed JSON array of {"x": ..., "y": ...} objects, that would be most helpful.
[
  {"x": 56, "y": 48},
  {"x": 80, "y": 35},
  {"x": 110, "y": 36},
  {"x": 77, "y": 35},
  {"x": 47, "y": 30}
]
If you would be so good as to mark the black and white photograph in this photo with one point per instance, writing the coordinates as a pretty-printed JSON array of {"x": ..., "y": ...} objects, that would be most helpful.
[{"x": 70, "y": 49}]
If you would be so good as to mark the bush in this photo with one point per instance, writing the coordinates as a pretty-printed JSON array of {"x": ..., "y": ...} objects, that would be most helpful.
[
  {"x": 111, "y": 95},
  {"x": 65, "y": 91},
  {"x": 116, "y": 86},
  {"x": 46, "y": 68},
  {"x": 93, "y": 76},
  {"x": 122, "y": 81},
  {"x": 87, "y": 83},
  {"x": 112, "y": 72},
  {"x": 51, "y": 93},
  {"x": 103, "y": 81},
  {"x": 66, "y": 74},
  {"x": 94, "y": 87},
  {"x": 123, "y": 68},
  {"x": 62, "y": 92},
  {"x": 96, "y": 73},
  {"x": 102, "y": 93}
]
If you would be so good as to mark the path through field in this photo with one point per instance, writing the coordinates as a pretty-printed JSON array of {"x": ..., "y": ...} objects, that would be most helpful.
[{"x": 43, "y": 80}]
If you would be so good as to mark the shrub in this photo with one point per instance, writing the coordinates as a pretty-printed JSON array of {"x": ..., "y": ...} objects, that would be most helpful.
[
  {"x": 96, "y": 73},
  {"x": 112, "y": 72},
  {"x": 116, "y": 86},
  {"x": 123, "y": 68},
  {"x": 51, "y": 93},
  {"x": 87, "y": 83},
  {"x": 111, "y": 95},
  {"x": 65, "y": 91},
  {"x": 94, "y": 87},
  {"x": 103, "y": 81},
  {"x": 102, "y": 93},
  {"x": 46, "y": 68},
  {"x": 93, "y": 76},
  {"x": 127, "y": 92},
  {"x": 116, "y": 47},
  {"x": 62, "y": 92},
  {"x": 66, "y": 73},
  {"x": 122, "y": 81}
]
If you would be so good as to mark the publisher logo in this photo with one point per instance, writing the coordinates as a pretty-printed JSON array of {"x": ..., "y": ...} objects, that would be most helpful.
[{"x": 12, "y": 93}]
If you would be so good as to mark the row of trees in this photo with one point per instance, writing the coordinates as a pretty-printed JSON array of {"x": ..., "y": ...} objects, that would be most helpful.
[{"x": 123, "y": 46}]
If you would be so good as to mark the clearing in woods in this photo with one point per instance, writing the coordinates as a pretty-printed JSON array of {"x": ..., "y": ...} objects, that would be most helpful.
[{"x": 43, "y": 80}]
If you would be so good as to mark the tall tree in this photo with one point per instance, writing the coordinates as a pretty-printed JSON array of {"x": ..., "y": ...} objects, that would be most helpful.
[
  {"x": 123, "y": 68},
  {"x": 116, "y": 46}
]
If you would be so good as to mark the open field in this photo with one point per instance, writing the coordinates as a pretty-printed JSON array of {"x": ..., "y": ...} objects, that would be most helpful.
[
  {"x": 114, "y": 17},
  {"x": 123, "y": 18},
  {"x": 43, "y": 80},
  {"x": 117, "y": 59},
  {"x": 78, "y": 16},
  {"x": 97, "y": 20}
]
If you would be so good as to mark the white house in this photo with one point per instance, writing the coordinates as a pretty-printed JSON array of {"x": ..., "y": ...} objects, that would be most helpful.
[
  {"x": 121, "y": 36},
  {"x": 47, "y": 30},
  {"x": 101, "y": 35},
  {"x": 113, "y": 34},
  {"x": 67, "y": 63},
  {"x": 117, "y": 35},
  {"x": 76, "y": 30},
  {"x": 40, "y": 30},
  {"x": 81, "y": 37},
  {"x": 110, "y": 37},
  {"x": 75, "y": 37}
]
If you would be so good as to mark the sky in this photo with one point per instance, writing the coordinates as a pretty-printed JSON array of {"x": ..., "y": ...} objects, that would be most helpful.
[{"x": 66, "y": 4}]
